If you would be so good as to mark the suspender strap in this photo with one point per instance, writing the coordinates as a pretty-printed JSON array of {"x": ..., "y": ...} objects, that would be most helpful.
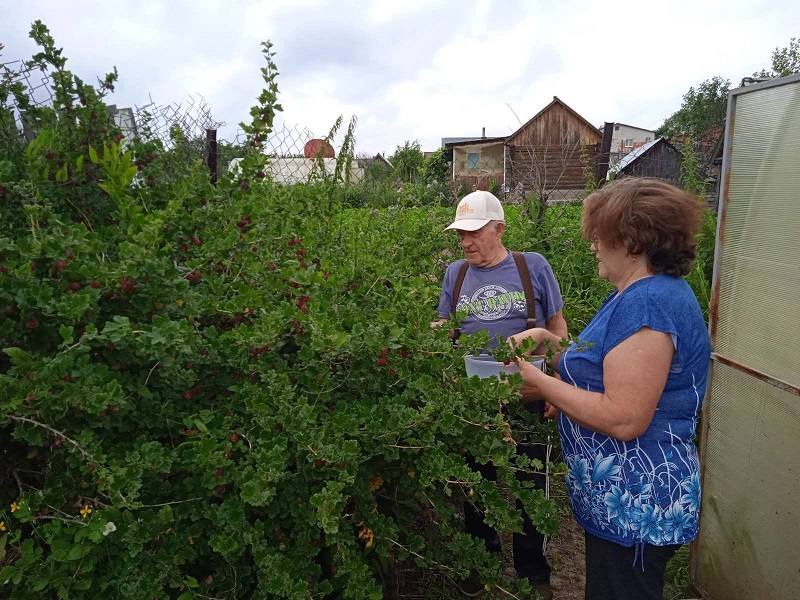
[
  {"x": 462, "y": 273},
  {"x": 527, "y": 286}
]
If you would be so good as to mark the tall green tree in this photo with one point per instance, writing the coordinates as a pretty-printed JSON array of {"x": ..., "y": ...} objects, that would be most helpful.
[
  {"x": 702, "y": 108},
  {"x": 407, "y": 161},
  {"x": 785, "y": 61}
]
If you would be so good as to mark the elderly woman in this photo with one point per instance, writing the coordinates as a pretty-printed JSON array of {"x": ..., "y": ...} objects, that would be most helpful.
[{"x": 631, "y": 388}]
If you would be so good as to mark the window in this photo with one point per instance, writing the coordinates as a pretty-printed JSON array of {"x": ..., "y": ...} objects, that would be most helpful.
[
  {"x": 647, "y": 139},
  {"x": 473, "y": 158},
  {"x": 629, "y": 143},
  {"x": 616, "y": 127}
]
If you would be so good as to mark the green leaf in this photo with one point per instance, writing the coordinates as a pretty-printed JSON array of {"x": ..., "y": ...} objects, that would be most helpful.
[
  {"x": 79, "y": 164},
  {"x": 93, "y": 155},
  {"x": 66, "y": 332},
  {"x": 19, "y": 357},
  {"x": 78, "y": 552},
  {"x": 130, "y": 174},
  {"x": 7, "y": 574}
]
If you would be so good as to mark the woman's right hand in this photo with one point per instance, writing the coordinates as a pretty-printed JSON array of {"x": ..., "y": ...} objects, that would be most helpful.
[{"x": 537, "y": 334}]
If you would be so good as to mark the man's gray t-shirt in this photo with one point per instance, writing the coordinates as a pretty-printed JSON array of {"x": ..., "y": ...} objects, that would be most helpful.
[{"x": 493, "y": 298}]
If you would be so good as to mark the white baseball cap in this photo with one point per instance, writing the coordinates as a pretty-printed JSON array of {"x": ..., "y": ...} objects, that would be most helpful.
[{"x": 475, "y": 210}]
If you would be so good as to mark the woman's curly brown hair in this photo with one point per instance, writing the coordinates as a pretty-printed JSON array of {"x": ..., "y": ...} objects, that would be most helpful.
[{"x": 646, "y": 216}]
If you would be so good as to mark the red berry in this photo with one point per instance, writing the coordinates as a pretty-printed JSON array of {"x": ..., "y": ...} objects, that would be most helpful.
[
  {"x": 3, "y": 269},
  {"x": 234, "y": 438},
  {"x": 385, "y": 352},
  {"x": 71, "y": 255},
  {"x": 95, "y": 284},
  {"x": 159, "y": 306},
  {"x": 62, "y": 264},
  {"x": 229, "y": 454},
  {"x": 382, "y": 361},
  {"x": 507, "y": 361},
  {"x": 304, "y": 309},
  {"x": 75, "y": 286},
  {"x": 392, "y": 372},
  {"x": 219, "y": 473},
  {"x": 272, "y": 266},
  {"x": 32, "y": 324},
  {"x": 264, "y": 348},
  {"x": 203, "y": 352},
  {"x": 111, "y": 346},
  {"x": 319, "y": 463}
]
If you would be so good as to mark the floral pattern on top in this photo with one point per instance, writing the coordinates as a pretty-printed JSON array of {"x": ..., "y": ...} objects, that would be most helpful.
[{"x": 646, "y": 490}]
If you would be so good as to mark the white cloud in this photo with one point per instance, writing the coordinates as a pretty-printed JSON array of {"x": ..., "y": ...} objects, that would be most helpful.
[{"x": 415, "y": 69}]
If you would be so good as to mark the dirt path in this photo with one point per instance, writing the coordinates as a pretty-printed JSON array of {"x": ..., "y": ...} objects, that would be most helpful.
[{"x": 565, "y": 555}]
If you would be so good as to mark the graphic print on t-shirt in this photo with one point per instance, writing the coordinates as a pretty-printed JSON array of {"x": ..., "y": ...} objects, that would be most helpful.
[{"x": 491, "y": 303}]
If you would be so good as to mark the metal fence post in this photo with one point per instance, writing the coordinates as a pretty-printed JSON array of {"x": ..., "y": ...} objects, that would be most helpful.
[{"x": 211, "y": 153}]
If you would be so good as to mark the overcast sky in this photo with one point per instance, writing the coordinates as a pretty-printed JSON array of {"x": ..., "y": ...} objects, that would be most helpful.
[{"x": 411, "y": 69}]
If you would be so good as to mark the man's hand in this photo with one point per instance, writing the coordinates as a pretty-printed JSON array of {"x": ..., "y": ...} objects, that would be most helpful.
[
  {"x": 435, "y": 324},
  {"x": 550, "y": 411}
]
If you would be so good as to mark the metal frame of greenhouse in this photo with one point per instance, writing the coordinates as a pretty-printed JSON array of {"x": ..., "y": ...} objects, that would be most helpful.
[{"x": 750, "y": 435}]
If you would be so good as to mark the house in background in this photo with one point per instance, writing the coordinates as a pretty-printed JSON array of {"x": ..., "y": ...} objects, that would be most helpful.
[
  {"x": 553, "y": 155},
  {"x": 626, "y": 138},
  {"x": 476, "y": 162},
  {"x": 657, "y": 158}
]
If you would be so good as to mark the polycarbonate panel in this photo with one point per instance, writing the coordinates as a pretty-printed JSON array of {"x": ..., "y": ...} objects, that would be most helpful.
[
  {"x": 750, "y": 450},
  {"x": 750, "y": 522},
  {"x": 758, "y": 319}
]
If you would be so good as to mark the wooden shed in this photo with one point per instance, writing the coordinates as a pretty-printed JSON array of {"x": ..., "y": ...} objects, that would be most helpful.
[
  {"x": 553, "y": 155},
  {"x": 658, "y": 159}
]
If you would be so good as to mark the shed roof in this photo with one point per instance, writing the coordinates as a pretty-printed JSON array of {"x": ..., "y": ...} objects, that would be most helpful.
[
  {"x": 635, "y": 127},
  {"x": 556, "y": 100},
  {"x": 471, "y": 141},
  {"x": 634, "y": 155}
]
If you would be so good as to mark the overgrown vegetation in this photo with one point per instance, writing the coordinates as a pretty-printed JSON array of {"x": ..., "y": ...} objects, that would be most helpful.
[{"x": 234, "y": 391}]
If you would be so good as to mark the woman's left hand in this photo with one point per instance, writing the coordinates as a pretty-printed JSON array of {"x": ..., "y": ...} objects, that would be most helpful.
[{"x": 532, "y": 376}]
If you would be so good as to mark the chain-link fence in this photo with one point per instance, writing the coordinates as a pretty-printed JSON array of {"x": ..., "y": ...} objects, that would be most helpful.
[{"x": 189, "y": 124}]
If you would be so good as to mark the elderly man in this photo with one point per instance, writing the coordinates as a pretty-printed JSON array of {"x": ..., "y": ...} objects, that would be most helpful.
[{"x": 492, "y": 289}]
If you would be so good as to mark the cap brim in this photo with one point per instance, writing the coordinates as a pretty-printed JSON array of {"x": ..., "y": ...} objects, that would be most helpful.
[{"x": 468, "y": 224}]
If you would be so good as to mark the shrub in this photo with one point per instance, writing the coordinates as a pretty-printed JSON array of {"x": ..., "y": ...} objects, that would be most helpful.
[{"x": 230, "y": 391}]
